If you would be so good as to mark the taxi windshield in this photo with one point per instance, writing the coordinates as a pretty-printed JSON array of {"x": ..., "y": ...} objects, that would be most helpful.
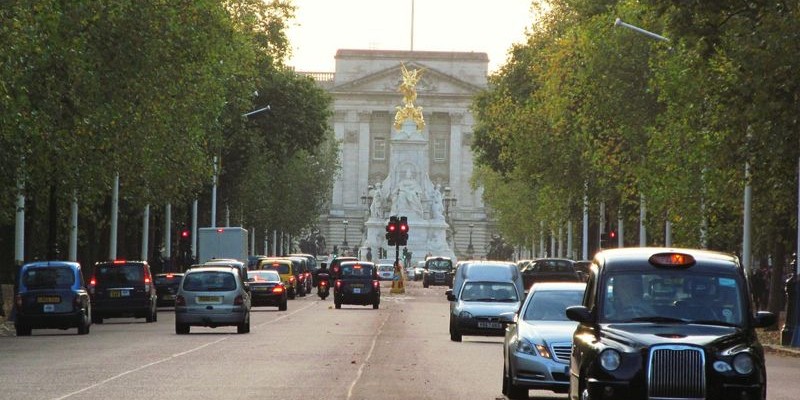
[
  {"x": 439, "y": 265},
  {"x": 672, "y": 296}
]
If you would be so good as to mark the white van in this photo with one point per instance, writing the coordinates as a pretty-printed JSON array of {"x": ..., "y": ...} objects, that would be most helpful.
[{"x": 493, "y": 271}]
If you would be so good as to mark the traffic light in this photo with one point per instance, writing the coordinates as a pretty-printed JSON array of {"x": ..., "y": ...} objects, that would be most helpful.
[
  {"x": 603, "y": 240},
  {"x": 612, "y": 238},
  {"x": 391, "y": 230},
  {"x": 402, "y": 237}
]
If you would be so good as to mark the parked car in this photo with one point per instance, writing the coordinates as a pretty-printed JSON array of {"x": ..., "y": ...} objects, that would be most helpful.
[
  {"x": 311, "y": 266},
  {"x": 667, "y": 323},
  {"x": 52, "y": 294},
  {"x": 287, "y": 273},
  {"x": 549, "y": 270},
  {"x": 438, "y": 271},
  {"x": 266, "y": 289},
  {"x": 304, "y": 278},
  {"x": 357, "y": 283},
  {"x": 385, "y": 272},
  {"x": 212, "y": 297},
  {"x": 538, "y": 343},
  {"x": 167, "y": 287},
  {"x": 123, "y": 288}
]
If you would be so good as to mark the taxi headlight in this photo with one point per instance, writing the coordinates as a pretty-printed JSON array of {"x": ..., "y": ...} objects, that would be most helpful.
[
  {"x": 743, "y": 363},
  {"x": 609, "y": 359},
  {"x": 465, "y": 315}
]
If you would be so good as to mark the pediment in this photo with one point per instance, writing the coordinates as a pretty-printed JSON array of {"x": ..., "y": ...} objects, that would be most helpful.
[{"x": 432, "y": 82}]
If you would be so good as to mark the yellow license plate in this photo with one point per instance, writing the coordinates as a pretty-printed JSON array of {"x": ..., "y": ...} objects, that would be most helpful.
[
  {"x": 119, "y": 293},
  {"x": 48, "y": 299},
  {"x": 209, "y": 299}
]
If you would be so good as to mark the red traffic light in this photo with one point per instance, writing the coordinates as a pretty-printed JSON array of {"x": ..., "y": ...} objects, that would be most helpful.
[
  {"x": 184, "y": 233},
  {"x": 612, "y": 234}
]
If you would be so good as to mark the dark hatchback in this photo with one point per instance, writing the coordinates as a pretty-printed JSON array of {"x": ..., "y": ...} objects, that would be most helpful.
[
  {"x": 167, "y": 287},
  {"x": 266, "y": 289},
  {"x": 549, "y": 270},
  {"x": 669, "y": 324},
  {"x": 52, "y": 295},
  {"x": 357, "y": 283},
  {"x": 122, "y": 288}
]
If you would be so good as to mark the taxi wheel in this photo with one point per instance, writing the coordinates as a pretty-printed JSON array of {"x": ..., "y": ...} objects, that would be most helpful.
[
  {"x": 83, "y": 325},
  {"x": 337, "y": 305},
  {"x": 375, "y": 306},
  {"x": 23, "y": 330},
  {"x": 291, "y": 294},
  {"x": 282, "y": 306},
  {"x": 181, "y": 329}
]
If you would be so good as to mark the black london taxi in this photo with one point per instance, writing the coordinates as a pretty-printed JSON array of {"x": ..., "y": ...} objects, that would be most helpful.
[
  {"x": 123, "y": 288},
  {"x": 357, "y": 283},
  {"x": 52, "y": 295},
  {"x": 438, "y": 271},
  {"x": 659, "y": 323}
]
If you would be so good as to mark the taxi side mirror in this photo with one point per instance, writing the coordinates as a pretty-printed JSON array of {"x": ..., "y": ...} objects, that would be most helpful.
[
  {"x": 450, "y": 295},
  {"x": 764, "y": 319},
  {"x": 579, "y": 314}
]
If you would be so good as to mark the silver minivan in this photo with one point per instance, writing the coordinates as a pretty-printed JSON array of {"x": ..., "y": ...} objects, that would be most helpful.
[{"x": 212, "y": 297}]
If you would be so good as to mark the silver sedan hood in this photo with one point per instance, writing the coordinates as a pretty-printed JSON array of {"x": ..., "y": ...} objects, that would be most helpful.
[{"x": 548, "y": 331}]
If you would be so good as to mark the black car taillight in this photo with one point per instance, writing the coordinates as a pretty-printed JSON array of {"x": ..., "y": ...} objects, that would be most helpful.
[
  {"x": 180, "y": 300},
  {"x": 18, "y": 300},
  {"x": 76, "y": 303}
]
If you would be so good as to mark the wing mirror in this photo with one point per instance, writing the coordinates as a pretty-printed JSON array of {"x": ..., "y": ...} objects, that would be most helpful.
[
  {"x": 579, "y": 314},
  {"x": 450, "y": 295},
  {"x": 764, "y": 319}
]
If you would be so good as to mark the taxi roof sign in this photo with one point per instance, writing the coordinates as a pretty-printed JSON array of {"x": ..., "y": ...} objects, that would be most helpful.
[{"x": 676, "y": 260}]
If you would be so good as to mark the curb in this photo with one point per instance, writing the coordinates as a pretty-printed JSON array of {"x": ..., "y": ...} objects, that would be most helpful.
[{"x": 781, "y": 350}]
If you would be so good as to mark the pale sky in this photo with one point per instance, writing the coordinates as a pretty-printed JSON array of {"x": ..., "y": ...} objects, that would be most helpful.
[{"x": 322, "y": 27}]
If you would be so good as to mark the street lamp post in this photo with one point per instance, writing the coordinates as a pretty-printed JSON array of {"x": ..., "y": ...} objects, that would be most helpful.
[
  {"x": 470, "y": 249},
  {"x": 344, "y": 243}
]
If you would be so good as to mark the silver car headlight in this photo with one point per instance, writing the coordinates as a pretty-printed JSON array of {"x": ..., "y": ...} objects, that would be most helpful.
[
  {"x": 465, "y": 315},
  {"x": 743, "y": 363},
  {"x": 610, "y": 359},
  {"x": 524, "y": 346}
]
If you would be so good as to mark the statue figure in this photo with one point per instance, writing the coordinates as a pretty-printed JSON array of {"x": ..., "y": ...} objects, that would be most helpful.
[
  {"x": 376, "y": 208},
  {"x": 437, "y": 205},
  {"x": 408, "y": 197},
  {"x": 409, "y": 91}
]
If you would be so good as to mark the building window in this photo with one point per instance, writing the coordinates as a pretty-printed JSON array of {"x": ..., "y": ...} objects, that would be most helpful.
[
  {"x": 379, "y": 149},
  {"x": 439, "y": 149}
]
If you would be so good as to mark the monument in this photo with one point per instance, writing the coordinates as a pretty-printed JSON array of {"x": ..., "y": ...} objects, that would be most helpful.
[{"x": 407, "y": 189}]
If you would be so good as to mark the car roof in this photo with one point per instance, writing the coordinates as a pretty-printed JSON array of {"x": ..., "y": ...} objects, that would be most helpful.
[
  {"x": 222, "y": 261},
  {"x": 41, "y": 264},
  {"x": 211, "y": 268},
  {"x": 170, "y": 273},
  {"x": 557, "y": 286},
  {"x": 356, "y": 262},
  {"x": 636, "y": 258}
]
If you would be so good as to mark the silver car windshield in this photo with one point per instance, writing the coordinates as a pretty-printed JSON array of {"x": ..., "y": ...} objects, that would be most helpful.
[
  {"x": 551, "y": 305},
  {"x": 489, "y": 291}
]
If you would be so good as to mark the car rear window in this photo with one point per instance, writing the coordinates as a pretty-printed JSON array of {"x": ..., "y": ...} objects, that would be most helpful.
[
  {"x": 168, "y": 279},
  {"x": 122, "y": 274},
  {"x": 553, "y": 266},
  {"x": 264, "y": 276},
  {"x": 48, "y": 278},
  {"x": 357, "y": 271},
  {"x": 209, "y": 281},
  {"x": 489, "y": 291},
  {"x": 385, "y": 268},
  {"x": 281, "y": 268}
]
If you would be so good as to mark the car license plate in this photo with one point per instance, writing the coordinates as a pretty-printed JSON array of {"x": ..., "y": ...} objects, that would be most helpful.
[
  {"x": 119, "y": 293},
  {"x": 168, "y": 297},
  {"x": 356, "y": 290},
  {"x": 209, "y": 299},
  {"x": 48, "y": 299},
  {"x": 490, "y": 325},
  {"x": 260, "y": 288},
  {"x": 48, "y": 307}
]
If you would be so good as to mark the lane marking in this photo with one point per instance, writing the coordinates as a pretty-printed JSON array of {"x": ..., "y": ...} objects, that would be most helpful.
[
  {"x": 369, "y": 355},
  {"x": 176, "y": 355}
]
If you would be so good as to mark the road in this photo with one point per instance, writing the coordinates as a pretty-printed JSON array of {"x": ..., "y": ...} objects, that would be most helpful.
[{"x": 311, "y": 351}]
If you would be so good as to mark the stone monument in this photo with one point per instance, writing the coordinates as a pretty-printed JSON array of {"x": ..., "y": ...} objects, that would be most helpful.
[{"x": 408, "y": 190}]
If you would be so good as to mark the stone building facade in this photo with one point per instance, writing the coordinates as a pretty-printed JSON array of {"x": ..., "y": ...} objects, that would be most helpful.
[{"x": 364, "y": 88}]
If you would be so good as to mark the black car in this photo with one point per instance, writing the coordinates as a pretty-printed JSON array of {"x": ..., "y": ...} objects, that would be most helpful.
[
  {"x": 357, "y": 283},
  {"x": 549, "y": 270},
  {"x": 669, "y": 324},
  {"x": 266, "y": 289},
  {"x": 167, "y": 287},
  {"x": 438, "y": 271},
  {"x": 52, "y": 295},
  {"x": 123, "y": 288}
]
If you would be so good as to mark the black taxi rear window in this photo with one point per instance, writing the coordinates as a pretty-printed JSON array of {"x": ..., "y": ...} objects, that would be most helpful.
[{"x": 48, "y": 278}]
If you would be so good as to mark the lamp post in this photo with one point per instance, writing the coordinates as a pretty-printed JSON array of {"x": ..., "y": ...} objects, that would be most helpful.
[
  {"x": 344, "y": 243},
  {"x": 470, "y": 249}
]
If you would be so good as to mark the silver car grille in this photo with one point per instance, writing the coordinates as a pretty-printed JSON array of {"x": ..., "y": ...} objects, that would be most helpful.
[
  {"x": 676, "y": 372},
  {"x": 561, "y": 351}
]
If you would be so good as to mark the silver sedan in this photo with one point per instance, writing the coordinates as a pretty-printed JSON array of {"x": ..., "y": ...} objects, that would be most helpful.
[{"x": 537, "y": 345}]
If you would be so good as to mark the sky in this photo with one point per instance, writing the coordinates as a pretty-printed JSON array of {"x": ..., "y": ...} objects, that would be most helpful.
[{"x": 321, "y": 27}]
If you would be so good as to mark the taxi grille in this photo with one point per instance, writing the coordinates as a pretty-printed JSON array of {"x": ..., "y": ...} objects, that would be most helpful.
[{"x": 676, "y": 372}]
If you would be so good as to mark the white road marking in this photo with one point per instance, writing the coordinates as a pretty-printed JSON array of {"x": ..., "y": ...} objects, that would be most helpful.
[
  {"x": 174, "y": 356},
  {"x": 369, "y": 355}
]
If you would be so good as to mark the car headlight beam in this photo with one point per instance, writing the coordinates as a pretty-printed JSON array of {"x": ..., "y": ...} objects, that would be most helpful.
[{"x": 610, "y": 359}]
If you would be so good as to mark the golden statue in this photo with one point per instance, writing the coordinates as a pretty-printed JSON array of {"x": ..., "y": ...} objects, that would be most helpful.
[{"x": 409, "y": 91}]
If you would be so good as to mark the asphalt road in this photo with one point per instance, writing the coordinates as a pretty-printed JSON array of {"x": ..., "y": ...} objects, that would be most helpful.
[{"x": 311, "y": 351}]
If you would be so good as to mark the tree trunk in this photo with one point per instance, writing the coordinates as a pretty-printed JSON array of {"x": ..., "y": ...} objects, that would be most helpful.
[{"x": 776, "y": 295}]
